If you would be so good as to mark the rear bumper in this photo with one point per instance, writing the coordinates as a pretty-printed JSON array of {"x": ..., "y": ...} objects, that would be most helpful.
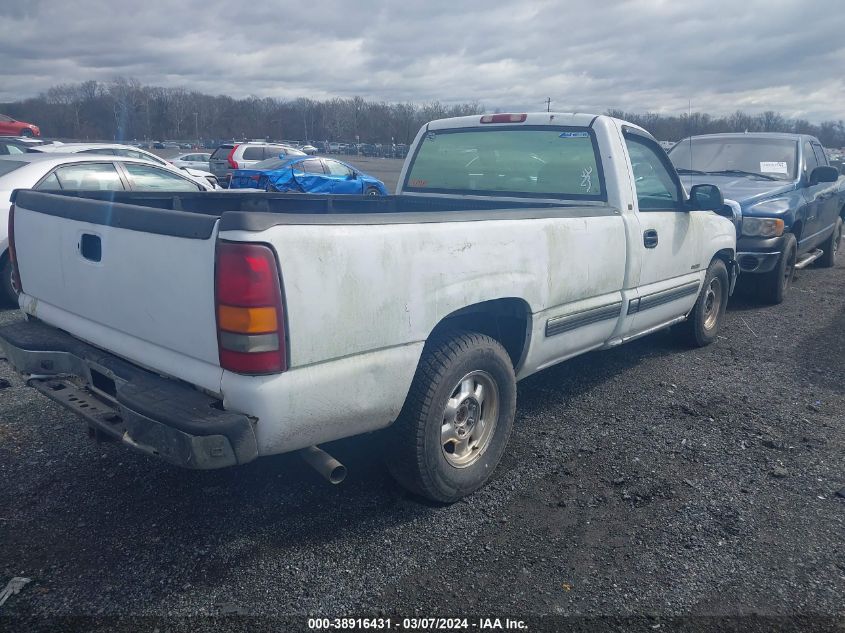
[{"x": 155, "y": 415}]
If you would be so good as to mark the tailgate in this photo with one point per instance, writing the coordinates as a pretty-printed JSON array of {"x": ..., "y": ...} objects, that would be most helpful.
[{"x": 134, "y": 280}]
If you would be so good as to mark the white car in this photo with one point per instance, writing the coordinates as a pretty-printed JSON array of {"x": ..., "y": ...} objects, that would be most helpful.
[
  {"x": 196, "y": 160},
  {"x": 128, "y": 151},
  {"x": 219, "y": 329},
  {"x": 79, "y": 172}
]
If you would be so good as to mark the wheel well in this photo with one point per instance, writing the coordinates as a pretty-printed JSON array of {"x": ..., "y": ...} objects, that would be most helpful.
[
  {"x": 726, "y": 255},
  {"x": 506, "y": 320},
  {"x": 796, "y": 229},
  {"x": 842, "y": 212}
]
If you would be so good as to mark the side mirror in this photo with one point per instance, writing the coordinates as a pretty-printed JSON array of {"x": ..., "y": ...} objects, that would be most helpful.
[
  {"x": 823, "y": 173},
  {"x": 705, "y": 198}
]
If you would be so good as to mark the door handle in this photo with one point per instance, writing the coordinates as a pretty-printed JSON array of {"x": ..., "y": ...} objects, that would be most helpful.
[{"x": 650, "y": 238}]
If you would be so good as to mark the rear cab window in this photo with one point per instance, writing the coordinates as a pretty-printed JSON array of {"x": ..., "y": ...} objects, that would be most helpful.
[{"x": 513, "y": 161}]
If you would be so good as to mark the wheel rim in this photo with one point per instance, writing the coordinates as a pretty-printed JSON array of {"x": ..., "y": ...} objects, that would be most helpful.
[
  {"x": 789, "y": 269},
  {"x": 469, "y": 419},
  {"x": 372, "y": 192},
  {"x": 712, "y": 303}
]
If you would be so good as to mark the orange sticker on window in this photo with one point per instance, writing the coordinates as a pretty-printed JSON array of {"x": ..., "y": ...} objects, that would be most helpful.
[{"x": 418, "y": 183}]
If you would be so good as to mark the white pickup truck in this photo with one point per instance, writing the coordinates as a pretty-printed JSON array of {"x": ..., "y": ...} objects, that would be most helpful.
[{"x": 214, "y": 328}]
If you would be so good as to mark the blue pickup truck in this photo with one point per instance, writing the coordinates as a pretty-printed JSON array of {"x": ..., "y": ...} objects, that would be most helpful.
[{"x": 792, "y": 200}]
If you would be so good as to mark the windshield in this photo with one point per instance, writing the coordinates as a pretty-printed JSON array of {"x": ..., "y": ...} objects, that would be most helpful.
[
  {"x": 8, "y": 166},
  {"x": 540, "y": 162},
  {"x": 775, "y": 158}
]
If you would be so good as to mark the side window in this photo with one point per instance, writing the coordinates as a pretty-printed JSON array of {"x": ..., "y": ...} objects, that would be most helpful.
[
  {"x": 14, "y": 149},
  {"x": 821, "y": 159},
  {"x": 50, "y": 183},
  {"x": 254, "y": 153},
  {"x": 312, "y": 166},
  {"x": 657, "y": 187},
  {"x": 338, "y": 169},
  {"x": 273, "y": 151},
  {"x": 149, "y": 178},
  {"x": 89, "y": 177},
  {"x": 810, "y": 162}
]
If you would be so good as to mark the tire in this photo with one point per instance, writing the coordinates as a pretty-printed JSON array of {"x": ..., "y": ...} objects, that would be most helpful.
[
  {"x": 26, "y": 132},
  {"x": 8, "y": 296},
  {"x": 704, "y": 321},
  {"x": 775, "y": 284},
  {"x": 831, "y": 246},
  {"x": 372, "y": 191},
  {"x": 429, "y": 448}
]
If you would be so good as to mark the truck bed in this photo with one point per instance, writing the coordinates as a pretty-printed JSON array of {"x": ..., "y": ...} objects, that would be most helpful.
[{"x": 309, "y": 208}]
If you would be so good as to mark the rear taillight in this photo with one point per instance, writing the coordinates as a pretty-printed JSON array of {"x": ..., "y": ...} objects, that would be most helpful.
[
  {"x": 232, "y": 162},
  {"x": 250, "y": 313},
  {"x": 504, "y": 118},
  {"x": 13, "y": 260}
]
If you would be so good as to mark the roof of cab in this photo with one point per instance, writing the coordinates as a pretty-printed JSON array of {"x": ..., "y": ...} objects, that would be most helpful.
[
  {"x": 773, "y": 135},
  {"x": 579, "y": 119}
]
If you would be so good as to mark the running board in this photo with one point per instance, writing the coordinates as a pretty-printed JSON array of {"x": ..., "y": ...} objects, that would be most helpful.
[{"x": 808, "y": 259}]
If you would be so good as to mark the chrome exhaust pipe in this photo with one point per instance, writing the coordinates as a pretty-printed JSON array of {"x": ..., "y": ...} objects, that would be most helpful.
[{"x": 332, "y": 470}]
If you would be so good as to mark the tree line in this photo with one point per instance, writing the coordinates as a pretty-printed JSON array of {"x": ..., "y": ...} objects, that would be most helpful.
[{"x": 125, "y": 109}]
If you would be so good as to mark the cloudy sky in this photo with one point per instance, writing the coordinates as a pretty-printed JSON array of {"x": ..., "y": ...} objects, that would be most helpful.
[{"x": 587, "y": 55}]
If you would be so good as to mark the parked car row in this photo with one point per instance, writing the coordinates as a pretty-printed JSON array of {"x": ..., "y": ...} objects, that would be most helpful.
[{"x": 515, "y": 242}]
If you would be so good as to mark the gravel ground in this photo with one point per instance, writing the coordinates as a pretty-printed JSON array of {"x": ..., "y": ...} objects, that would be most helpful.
[{"x": 650, "y": 480}]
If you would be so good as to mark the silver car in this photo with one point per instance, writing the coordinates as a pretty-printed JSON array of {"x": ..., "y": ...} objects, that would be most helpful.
[
  {"x": 196, "y": 160},
  {"x": 231, "y": 156},
  {"x": 79, "y": 172},
  {"x": 129, "y": 151}
]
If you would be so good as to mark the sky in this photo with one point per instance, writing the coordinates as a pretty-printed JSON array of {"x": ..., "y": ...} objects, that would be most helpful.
[{"x": 587, "y": 55}]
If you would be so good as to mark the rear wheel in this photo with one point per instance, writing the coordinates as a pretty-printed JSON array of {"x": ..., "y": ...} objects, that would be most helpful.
[
  {"x": 831, "y": 246},
  {"x": 776, "y": 283},
  {"x": 457, "y": 418},
  {"x": 702, "y": 325}
]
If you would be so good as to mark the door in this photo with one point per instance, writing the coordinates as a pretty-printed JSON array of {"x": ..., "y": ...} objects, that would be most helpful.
[
  {"x": 311, "y": 177},
  {"x": 82, "y": 177},
  {"x": 670, "y": 241},
  {"x": 821, "y": 201},
  {"x": 6, "y": 125},
  {"x": 344, "y": 179}
]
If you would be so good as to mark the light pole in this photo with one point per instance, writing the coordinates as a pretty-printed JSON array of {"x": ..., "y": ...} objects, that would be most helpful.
[{"x": 197, "y": 127}]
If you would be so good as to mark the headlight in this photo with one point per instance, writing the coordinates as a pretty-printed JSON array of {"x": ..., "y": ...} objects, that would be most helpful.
[{"x": 762, "y": 227}]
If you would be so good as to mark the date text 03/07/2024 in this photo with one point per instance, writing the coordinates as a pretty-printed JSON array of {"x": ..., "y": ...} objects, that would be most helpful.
[{"x": 416, "y": 624}]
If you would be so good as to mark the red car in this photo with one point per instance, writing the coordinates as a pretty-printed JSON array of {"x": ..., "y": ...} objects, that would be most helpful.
[{"x": 11, "y": 127}]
